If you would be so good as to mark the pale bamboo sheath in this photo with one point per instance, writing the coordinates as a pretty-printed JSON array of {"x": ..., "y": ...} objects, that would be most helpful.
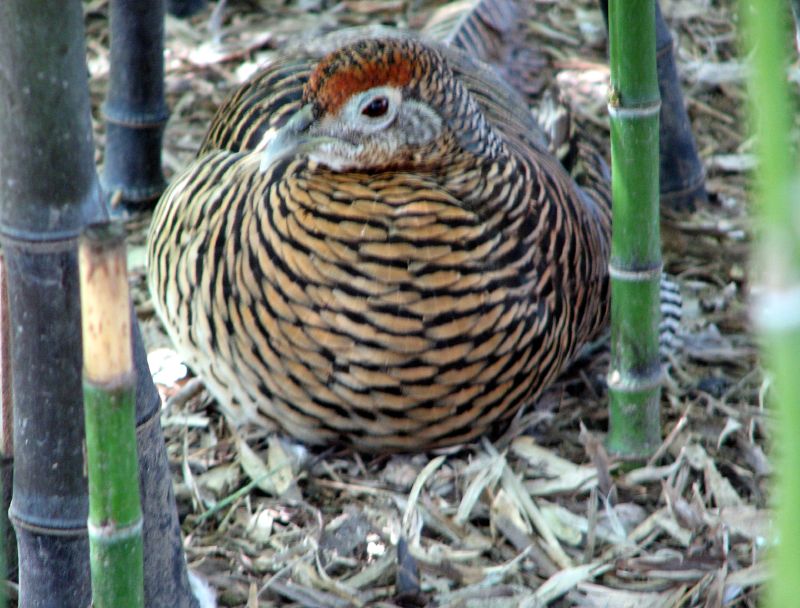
[{"x": 115, "y": 515}]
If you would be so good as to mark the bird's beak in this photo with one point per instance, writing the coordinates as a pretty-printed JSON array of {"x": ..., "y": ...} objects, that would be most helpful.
[{"x": 291, "y": 138}]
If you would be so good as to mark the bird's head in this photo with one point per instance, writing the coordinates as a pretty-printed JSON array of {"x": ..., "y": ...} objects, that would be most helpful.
[{"x": 376, "y": 104}]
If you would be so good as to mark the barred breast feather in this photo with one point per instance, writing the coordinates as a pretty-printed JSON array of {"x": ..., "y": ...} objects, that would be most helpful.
[{"x": 389, "y": 281}]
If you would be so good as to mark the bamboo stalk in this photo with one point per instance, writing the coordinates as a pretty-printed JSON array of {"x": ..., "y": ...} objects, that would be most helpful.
[
  {"x": 682, "y": 177},
  {"x": 777, "y": 263},
  {"x": 185, "y": 8},
  {"x": 635, "y": 267},
  {"x": 109, "y": 386},
  {"x": 8, "y": 552},
  {"x": 135, "y": 110}
]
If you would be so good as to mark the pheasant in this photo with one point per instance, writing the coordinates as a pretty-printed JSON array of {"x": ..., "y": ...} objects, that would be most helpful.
[{"x": 377, "y": 247}]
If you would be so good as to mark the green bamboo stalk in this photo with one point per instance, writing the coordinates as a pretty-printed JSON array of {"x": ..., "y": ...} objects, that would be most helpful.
[
  {"x": 777, "y": 264},
  {"x": 634, "y": 378},
  {"x": 115, "y": 515}
]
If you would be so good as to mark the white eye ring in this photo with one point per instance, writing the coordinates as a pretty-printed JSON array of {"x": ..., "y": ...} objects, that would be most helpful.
[{"x": 373, "y": 110}]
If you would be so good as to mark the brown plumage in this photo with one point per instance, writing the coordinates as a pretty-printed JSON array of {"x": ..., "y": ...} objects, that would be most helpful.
[{"x": 375, "y": 247}]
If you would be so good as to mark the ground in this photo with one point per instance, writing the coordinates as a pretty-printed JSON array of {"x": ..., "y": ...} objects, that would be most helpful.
[{"x": 541, "y": 516}]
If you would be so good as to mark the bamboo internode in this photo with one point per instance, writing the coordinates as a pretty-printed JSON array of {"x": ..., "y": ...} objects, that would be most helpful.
[
  {"x": 777, "y": 266},
  {"x": 104, "y": 292}
]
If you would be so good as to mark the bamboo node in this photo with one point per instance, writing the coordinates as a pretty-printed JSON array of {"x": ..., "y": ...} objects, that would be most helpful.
[
  {"x": 777, "y": 309},
  {"x": 638, "y": 275},
  {"x": 112, "y": 382},
  {"x": 641, "y": 110},
  {"x": 613, "y": 97},
  {"x": 634, "y": 383},
  {"x": 112, "y": 530}
]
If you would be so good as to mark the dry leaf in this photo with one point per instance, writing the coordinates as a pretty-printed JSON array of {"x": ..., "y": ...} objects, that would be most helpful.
[
  {"x": 273, "y": 477},
  {"x": 747, "y": 520},
  {"x": 260, "y": 528},
  {"x": 599, "y": 596},
  {"x": 486, "y": 476},
  {"x": 166, "y": 366},
  {"x": 558, "y": 584},
  {"x": 220, "y": 480},
  {"x": 553, "y": 474},
  {"x": 503, "y": 507}
]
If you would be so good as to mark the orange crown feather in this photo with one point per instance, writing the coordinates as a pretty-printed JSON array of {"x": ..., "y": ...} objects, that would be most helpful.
[{"x": 365, "y": 64}]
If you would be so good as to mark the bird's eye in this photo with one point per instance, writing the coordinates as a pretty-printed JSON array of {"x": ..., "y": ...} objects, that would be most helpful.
[{"x": 376, "y": 107}]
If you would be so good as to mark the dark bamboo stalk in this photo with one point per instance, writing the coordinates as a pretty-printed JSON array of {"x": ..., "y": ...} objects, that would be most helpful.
[
  {"x": 776, "y": 265},
  {"x": 634, "y": 380},
  {"x": 166, "y": 584},
  {"x": 185, "y": 8},
  {"x": 9, "y": 549},
  {"x": 135, "y": 110},
  {"x": 682, "y": 177},
  {"x": 48, "y": 192},
  {"x": 115, "y": 514}
]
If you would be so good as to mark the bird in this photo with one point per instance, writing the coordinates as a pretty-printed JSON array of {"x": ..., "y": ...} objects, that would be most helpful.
[{"x": 379, "y": 246}]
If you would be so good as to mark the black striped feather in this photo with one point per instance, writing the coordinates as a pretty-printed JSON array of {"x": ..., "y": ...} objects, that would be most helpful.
[{"x": 394, "y": 310}]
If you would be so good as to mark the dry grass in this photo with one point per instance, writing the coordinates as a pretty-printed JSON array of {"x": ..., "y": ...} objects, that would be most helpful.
[{"x": 541, "y": 516}]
